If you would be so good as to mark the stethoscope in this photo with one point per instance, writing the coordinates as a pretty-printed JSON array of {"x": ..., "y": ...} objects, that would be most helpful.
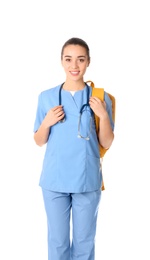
[{"x": 80, "y": 112}]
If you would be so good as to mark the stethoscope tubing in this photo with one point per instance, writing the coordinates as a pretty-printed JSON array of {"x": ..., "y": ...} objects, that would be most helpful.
[
  {"x": 81, "y": 111},
  {"x": 84, "y": 105}
]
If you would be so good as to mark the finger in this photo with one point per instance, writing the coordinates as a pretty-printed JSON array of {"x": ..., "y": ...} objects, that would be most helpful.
[
  {"x": 93, "y": 103},
  {"x": 58, "y": 111},
  {"x": 94, "y": 99},
  {"x": 61, "y": 117},
  {"x": 60, "y": 114},
  {"x": 57, "y": 107}
]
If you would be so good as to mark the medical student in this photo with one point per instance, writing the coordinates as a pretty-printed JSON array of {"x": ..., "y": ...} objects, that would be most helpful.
[{"x": 71, "y": 177}]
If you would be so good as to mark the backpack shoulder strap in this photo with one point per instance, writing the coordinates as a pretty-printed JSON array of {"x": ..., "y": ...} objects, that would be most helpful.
[{"x": 98, "y": 92}]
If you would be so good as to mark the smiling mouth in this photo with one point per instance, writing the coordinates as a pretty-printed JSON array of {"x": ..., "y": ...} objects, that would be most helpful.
[{"x": 74, "y": 73}]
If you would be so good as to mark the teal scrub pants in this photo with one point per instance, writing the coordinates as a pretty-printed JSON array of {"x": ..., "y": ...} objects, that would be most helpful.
[{"x": 84, "y": 209}]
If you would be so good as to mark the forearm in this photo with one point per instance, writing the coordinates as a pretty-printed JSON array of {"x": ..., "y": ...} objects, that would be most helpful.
[
  {"x": 106, "y": 134},
  {"x": 41, "y": 136},
  {"x": 53, "y": 116}
]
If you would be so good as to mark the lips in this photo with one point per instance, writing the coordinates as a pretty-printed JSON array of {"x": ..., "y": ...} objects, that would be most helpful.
[{"x": 74, "y": 73}]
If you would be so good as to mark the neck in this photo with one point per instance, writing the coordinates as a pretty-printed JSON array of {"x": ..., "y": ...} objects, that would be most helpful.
[{"x": 73, "y": 86}]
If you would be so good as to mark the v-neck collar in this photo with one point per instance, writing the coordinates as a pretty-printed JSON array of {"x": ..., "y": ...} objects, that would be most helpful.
[{"x": 73, "y": 103}]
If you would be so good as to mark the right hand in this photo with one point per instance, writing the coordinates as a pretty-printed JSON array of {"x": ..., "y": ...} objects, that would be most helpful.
[{"x": 54, "y": 115}]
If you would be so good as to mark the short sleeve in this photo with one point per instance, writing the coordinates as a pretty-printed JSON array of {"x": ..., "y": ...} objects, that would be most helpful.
[
  {"x": 109, "y": 109},
  {"x": 40, "y": 113}
]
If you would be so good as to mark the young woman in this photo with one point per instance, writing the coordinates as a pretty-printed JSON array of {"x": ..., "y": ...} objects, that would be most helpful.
[{"x": 71, "y": 177}]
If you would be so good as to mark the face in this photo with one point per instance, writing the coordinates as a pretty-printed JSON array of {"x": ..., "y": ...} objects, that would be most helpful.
[{"x": 75, "y": 61}]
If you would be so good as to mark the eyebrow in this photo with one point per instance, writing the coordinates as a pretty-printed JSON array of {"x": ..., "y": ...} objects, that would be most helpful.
[{"x": 81, "y": 56}]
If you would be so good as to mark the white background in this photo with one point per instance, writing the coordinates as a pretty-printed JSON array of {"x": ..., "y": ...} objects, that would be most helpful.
[{"x": 32, "y": 34}]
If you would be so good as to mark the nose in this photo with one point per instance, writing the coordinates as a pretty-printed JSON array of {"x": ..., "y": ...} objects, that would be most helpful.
[{"x": 74, "y": 64}]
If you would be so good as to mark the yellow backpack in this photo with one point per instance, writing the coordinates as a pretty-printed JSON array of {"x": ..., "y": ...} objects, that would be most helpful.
[{"x": 99, "y": 92}]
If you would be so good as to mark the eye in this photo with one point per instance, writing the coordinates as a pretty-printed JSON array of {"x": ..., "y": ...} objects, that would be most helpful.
[
  {"x": 68, "y": 60},
  {"x": 81, "y": 60}
]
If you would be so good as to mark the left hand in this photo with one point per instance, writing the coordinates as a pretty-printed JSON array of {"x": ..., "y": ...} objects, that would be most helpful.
[{"x": 98, "y": 106}]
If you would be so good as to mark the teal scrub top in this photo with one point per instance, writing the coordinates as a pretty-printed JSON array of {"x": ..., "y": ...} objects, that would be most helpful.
[{"x": 70, "y": 164}]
